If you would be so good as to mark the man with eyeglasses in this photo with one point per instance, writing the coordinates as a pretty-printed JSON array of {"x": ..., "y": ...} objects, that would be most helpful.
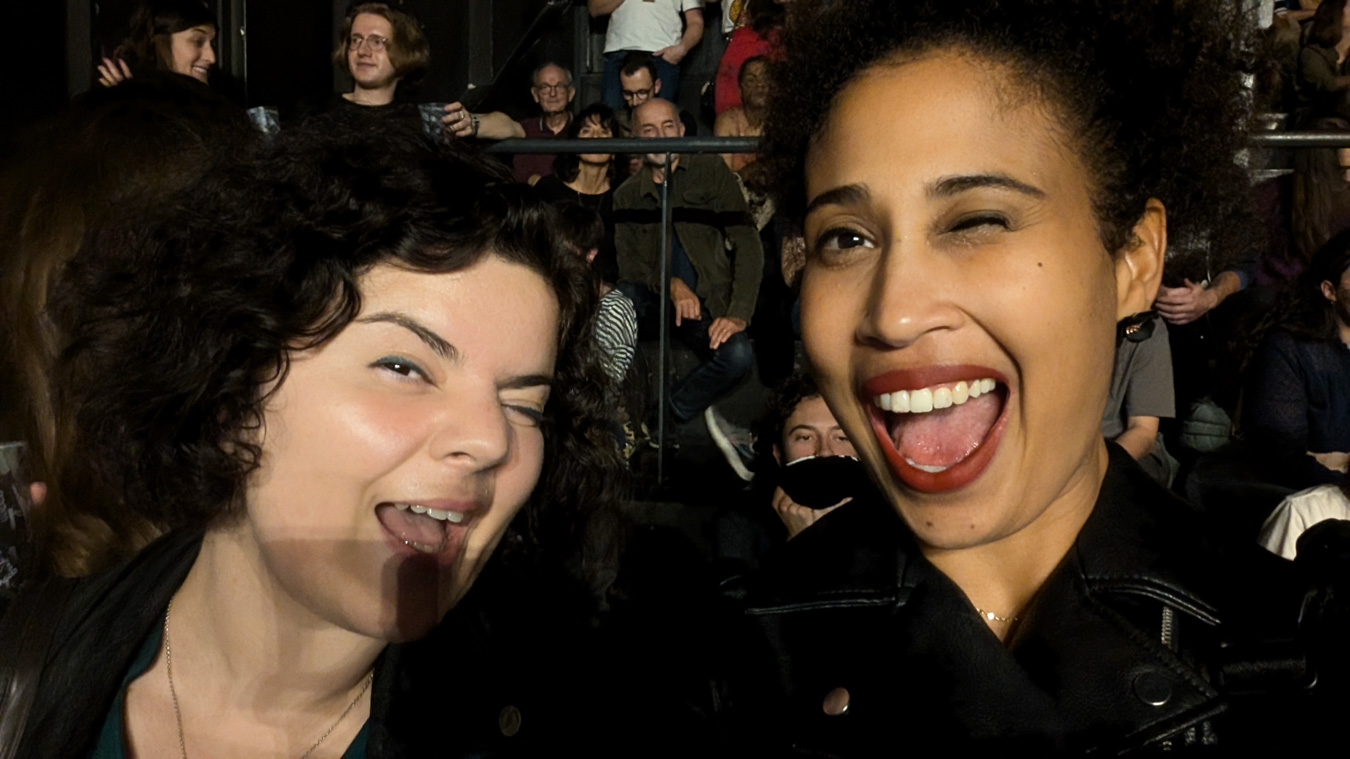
[
  {"x": 667, "y": 29},
  {"x": 551, "y": 87}
]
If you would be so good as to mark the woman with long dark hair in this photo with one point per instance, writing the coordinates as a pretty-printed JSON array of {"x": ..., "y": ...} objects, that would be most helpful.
[{"x": 305, "y": 378}]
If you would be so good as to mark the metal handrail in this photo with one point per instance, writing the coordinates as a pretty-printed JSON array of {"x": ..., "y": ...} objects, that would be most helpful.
[{"x": 658, "y": 145}]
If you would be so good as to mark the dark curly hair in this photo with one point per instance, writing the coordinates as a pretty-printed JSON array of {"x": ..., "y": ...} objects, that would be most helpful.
[
  {"x": 180, "y": 324},
  {"x": 784, "y": 398},
  {"x": 1150, "y": 90}
]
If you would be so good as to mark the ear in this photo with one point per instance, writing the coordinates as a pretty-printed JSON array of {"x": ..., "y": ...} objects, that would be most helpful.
[
  {"x": 777, "y": 455},
  {"x": 1328, "y": 290},
  {"x": 656, "y": 88},
  {"x": 590, "y": 255},
  {"x": 1139, "y": 266},
  {"x": 534, "y": 94}
]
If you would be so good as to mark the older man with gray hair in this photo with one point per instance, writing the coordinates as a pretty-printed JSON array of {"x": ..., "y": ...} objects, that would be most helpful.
[{"x": 551, "y": 87}]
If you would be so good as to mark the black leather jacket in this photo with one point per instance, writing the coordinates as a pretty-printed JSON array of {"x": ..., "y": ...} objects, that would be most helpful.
[{"x": 1147, "y": 636}]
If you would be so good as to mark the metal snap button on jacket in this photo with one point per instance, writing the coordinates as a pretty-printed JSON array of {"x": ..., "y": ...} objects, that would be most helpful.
[
  {"x": 836, "y": 702},
  {"x": 1152, "y": 688},
  {"x": 509, "y": 721}
]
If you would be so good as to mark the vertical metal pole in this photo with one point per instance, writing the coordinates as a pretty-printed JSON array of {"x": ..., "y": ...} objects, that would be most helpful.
[{"x": 664, "y": 266}]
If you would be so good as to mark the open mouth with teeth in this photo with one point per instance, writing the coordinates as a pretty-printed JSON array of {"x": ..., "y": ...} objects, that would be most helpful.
[
  {"x": 423, "y": 529},
  {"x": 940, "y": 426}
]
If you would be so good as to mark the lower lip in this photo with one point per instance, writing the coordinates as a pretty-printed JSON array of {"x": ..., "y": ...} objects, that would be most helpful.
[
  {"x": 445, "y": 557},
  {"x": 957, "y": 475}
]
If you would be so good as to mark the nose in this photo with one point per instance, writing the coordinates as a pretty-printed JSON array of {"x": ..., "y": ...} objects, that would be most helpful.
[
  {"x": 910, "y": 296},
  {"x": 473, "y": 432},
  {"x": 208, "y": 54}
]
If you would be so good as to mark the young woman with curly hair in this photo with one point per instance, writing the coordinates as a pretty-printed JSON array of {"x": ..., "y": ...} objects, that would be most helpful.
[
  {"x": 987, "y": 188},
  {"x": 337, "y": 378}
]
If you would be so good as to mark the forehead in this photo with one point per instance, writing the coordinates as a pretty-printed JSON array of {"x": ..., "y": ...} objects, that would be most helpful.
[
  {"x": 371, "y": 23},
  {"x": 811, "y": 412},
  {"x": 947, "y": 114},
  {"x": 656, "y": 112},
  {"x": 552, "y": 75},
  {"x": 640, "y": 78}
]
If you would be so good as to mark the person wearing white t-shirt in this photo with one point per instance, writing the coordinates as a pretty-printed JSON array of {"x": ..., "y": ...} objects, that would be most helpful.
[
  {"x": 668, "y": 29},
  {"x": 1302, "y": 510}
]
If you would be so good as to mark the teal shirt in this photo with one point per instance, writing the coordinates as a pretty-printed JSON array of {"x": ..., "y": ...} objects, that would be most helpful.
[{"x": 111, "y": 743}]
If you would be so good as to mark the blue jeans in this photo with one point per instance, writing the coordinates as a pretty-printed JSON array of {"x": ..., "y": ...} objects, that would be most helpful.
[
  {"x": 611, "y": 89},
  {"x": 721, "y": 368}
]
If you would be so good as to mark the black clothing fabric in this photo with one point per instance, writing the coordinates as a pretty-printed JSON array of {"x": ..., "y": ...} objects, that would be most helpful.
[
  {"x": 554, "y": 190},
  {"x": 1123, "y": 648},
  {"x": 1297, "y": 399},
  {"x": 485, "y": 684},
  {"x": 346, "y": 112}
]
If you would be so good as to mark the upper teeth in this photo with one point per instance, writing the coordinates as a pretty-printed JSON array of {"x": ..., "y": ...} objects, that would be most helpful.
[
  {"x": 929, "y": 398},
  {"x": 444, "y": 516}
]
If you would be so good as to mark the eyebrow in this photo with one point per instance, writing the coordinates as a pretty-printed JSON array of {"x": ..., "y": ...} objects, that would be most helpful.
[
  {"x": 527, "y": 380},
  {"x": 438, "y": 344},
  {"x": 810, "y": 428},
  {"x": 954, "y": 185},
  {"x": 943, "y": 188}
]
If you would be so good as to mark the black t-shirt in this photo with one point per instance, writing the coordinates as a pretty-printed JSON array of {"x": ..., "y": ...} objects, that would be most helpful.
[{"x": 554, "y": 190}]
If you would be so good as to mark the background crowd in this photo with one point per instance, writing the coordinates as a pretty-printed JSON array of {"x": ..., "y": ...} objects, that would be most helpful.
[{"x": 1232, "y": 390}]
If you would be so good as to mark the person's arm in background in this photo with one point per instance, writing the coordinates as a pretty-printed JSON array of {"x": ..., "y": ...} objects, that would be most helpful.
[
  {"x": 493, "y": 125},
  {"x": 693, "y": 32},
  {"x": 1185, "y": 304},
  {"x": 748, "y": 264},
  {"x": 1141, "y": 432},
  {"x": 602, "y": 7}
]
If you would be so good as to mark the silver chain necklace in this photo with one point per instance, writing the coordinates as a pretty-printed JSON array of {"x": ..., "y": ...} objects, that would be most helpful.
[{"x": 178, "y": 714}]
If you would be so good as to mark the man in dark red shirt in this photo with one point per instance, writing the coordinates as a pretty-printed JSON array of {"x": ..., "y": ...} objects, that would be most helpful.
[{"x": 551, "y": 87}]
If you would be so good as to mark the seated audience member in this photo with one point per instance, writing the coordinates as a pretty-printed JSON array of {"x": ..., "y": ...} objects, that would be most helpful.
[
  {"x": 747, "y": 119},
  {"x": 1320, "y": 207},
  {"x": 386, "y": 55},
  {"x": 583, "y": 231},
  {"x": 165, "y": 35},
  {"x": 1296, "y": 402},
  {"x": 551, "y": 87},
  {"x": 1141, "y": 392},
  {"x": 1321, "y": 82},
  {"x": 588, "y": 179},
  {"x": 303, "y": 379},
  {"x": 1302, "y": 510},
  {"x": 131, "y": 148},
  {"x": 640, "y": 84},
  {"x": 797, "y": 428},
  {"x": 715, "y": 258},
  {"x": 665, "y": 30},
  {"x": 756, "y": 35}
]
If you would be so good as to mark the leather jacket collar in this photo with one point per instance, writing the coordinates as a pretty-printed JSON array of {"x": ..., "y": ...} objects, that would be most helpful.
[{"x": 1115, "y": 652}]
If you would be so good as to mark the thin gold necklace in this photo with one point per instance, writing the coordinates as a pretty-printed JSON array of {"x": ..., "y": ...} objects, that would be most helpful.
[
  {"x": 992, "y": 617},
  {"x": 178, "y": 714}
]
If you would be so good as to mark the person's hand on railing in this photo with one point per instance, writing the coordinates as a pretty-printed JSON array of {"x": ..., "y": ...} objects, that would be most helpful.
[{"x": 113, "y": 71}]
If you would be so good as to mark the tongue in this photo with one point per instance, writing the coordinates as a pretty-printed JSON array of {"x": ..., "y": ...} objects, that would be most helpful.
[
  {"x": 410, "y": 527},
  {"x": 943, "y": 438}
]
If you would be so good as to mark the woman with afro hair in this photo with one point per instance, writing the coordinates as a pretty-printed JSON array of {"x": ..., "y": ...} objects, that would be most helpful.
[{"x": 987, "y": 189}]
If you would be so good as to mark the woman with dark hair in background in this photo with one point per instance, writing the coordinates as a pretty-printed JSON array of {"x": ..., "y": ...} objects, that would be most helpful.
[
  {"x": 165, "y": 35},
  {"x": 588, "y": 179},
  {"x": 129, "y": 149},
  {"x": 1321, "y": 198},
  {"x": 1296, "y": 402},
  {"x": 304, "y": 377},
  {"x": 1321, "y": 82},
  {"x": 987, "y": 189}
]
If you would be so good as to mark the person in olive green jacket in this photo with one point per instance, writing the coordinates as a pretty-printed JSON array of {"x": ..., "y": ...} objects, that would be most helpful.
[{"x": 716, "y": 259}]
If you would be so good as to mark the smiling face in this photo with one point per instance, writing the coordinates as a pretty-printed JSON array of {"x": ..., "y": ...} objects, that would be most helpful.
[
  {"x": 192, "y": 53},
  {"x": 961, "y": 267},
  {"x": 370, "y": 67},
  {"x": 430, "y": 399}
]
